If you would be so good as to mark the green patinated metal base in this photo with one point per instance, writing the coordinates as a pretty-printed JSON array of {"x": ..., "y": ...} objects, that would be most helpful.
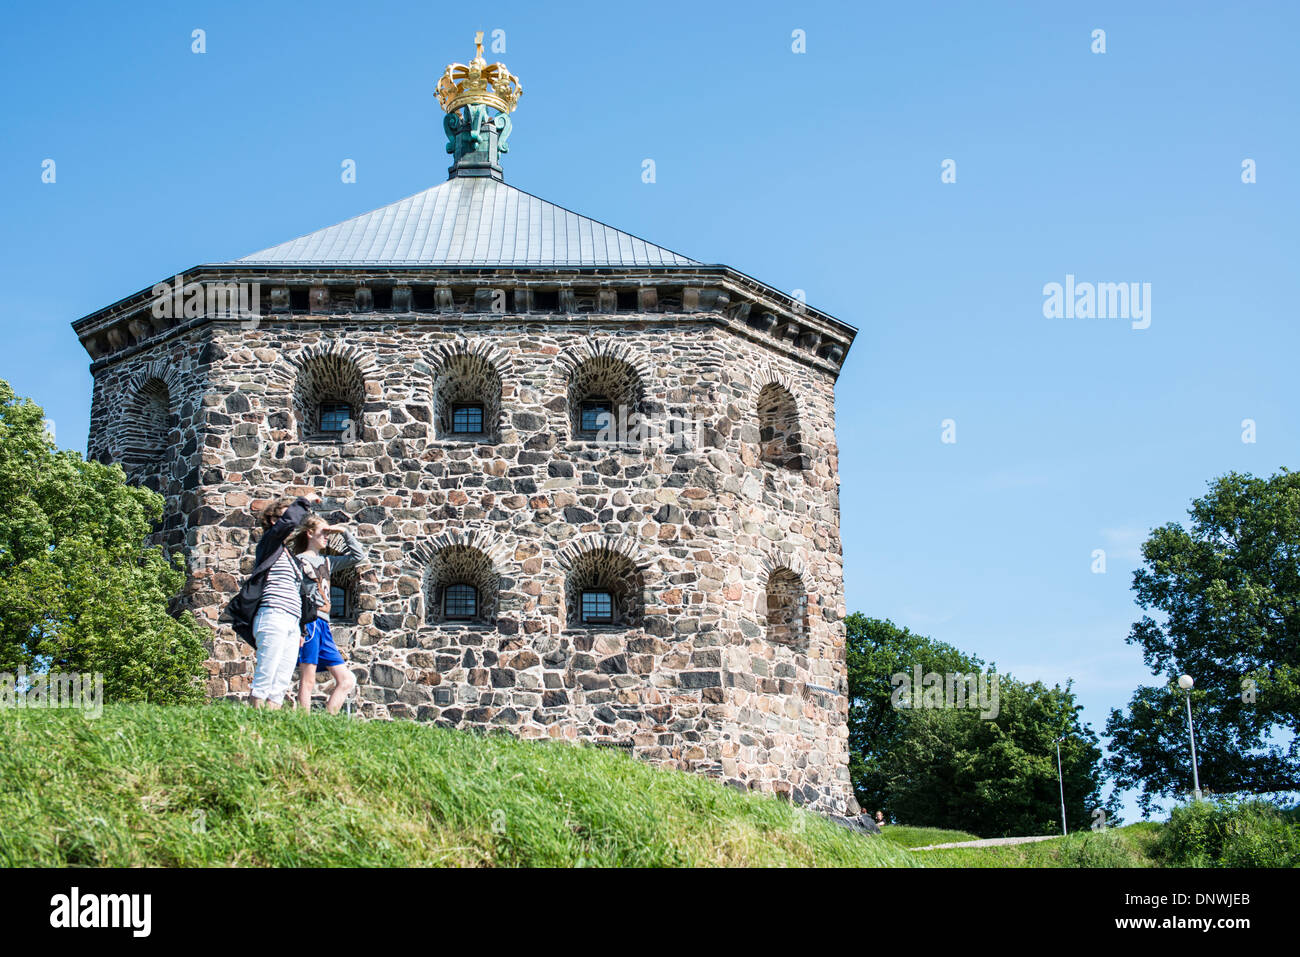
[{"x": 475, "y": 137}]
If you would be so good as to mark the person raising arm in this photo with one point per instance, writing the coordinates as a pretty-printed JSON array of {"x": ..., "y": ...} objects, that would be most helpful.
[
  {"x": 311, "y": 543},
  {"x": 276, "y": 625}
]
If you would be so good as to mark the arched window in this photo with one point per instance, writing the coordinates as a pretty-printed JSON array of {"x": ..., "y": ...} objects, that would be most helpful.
[
  {"x": 780, "y": 438},
  {"x": 343, "y": 597},
  {"x": 604, "y": 393},
  {"x": 603, "y": 587},
  {"x": 467, "y": 399},
  {"x": 329, "y": 399},
  {"x": 461, "y": 586},
  {"x": 145, "y": 430},
  {"x": 787, "y": 609}
]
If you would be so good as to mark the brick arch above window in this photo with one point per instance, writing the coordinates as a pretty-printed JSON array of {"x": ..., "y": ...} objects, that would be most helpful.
[
  {"x": 159, "y": 369},
  {"x": 602, "y": 372},
  {"x": 452, "y": 562},
  {"x": 776, "y": 414},
  {"x": 469, "y": 389},
  {"x": 784, "y": 604},
  {"x": 483, "y": 349},
  {"x": 603, "y": 572},
  {"x": 602, "y": 348},
  {"x": 327, "y": 382},
  {"x": 148, "y": 416},
  {"x": 774, "y": 561}
]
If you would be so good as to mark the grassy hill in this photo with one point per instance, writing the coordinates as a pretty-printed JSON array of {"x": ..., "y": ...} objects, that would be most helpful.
[
  {"x": 224, "y": 785},
  {"x": 905, "y": 836}
]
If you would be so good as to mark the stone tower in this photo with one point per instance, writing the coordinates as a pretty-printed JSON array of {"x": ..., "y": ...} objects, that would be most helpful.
[{"x": 597, "y": 480}]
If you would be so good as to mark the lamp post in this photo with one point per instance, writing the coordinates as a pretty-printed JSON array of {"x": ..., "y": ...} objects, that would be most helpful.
[
  {"x": 1060, "y": 779},
  {"x": 1185, "y": 682}
]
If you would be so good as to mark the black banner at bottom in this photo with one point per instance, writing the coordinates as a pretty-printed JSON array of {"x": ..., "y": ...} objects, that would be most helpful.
[{"x": 232, "y": 907}]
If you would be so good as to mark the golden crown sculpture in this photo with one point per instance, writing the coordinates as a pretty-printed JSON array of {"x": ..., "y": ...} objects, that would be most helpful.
[{"x": 478, "y": 82}]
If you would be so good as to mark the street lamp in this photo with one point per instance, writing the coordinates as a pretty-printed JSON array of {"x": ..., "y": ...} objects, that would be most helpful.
[
  {"x": 1060, "y": 779},
  {"x": 1185, "y": 682}
]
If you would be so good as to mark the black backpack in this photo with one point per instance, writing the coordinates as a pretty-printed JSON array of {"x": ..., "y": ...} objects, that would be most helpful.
[{"x": 242, "y": 609}]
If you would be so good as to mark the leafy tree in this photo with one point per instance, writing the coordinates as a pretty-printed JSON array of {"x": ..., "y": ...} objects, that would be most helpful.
[
  {"x": 1227, "y": 592},
  {"x": 80, "y": 590},
  {"x": 876, "y": 650},
  {"x": 950, "y": 767},
  {"x": 998, "y": 777}
]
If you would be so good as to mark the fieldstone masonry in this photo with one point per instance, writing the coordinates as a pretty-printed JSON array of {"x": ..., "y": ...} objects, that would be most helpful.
[{"x": 719, "y": 537}]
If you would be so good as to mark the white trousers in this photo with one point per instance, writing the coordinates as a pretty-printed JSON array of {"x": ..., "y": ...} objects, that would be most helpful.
[{"x": 277, "y": 652}]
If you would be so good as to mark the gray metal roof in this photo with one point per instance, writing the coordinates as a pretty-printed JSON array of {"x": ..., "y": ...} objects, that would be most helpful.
[{"x": 469, "y": 221}]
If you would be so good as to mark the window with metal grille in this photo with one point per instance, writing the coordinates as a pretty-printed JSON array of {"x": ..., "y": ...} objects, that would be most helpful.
[
  {"x": 467, "y": 418},
  {"x": 340, "y": 603},
  {"x": 597, "y": 606},
  {"x": 593, "y": 412},
  {"x": 460, "y": 601},
  {"x": 334, "y": 416}
]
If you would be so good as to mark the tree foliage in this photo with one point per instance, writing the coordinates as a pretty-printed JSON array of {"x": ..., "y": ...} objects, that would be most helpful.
[
  {"x": 953, "y": 768},
  {"x": 1226, "y": 591},
  {"x": 876, "y": 650},
  {"x": 80, "y": 589},
  {"x": 1229, "y": 833}
]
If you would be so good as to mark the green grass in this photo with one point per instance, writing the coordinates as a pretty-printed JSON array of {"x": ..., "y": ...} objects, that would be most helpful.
[
  {"x": 922, "y": 836},
  {"x": 1131, "y": 846},
  {"x": 221, "y": 784}
]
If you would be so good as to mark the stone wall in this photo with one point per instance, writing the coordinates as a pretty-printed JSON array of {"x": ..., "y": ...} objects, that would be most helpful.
[
  {"x": 692, "y": 673},
  {"x": 125, "y": 421}
]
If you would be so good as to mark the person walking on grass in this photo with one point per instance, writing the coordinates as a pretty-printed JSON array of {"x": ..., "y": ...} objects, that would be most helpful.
[
  {"x": 277, "y": 626},
  {"x": 311, "y": 544}
]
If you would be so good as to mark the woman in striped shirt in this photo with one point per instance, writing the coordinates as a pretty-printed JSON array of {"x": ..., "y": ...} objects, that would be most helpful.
[{"x": 277, "y": 625}]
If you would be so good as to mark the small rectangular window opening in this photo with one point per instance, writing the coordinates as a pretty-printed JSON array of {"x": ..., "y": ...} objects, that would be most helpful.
[
  {"x": 335, "y": 416},
  {"x": 597, "y": 607},
  {"x": 467, "y": 418},
  {"x": 593, "y": 415},
  {"x": 460, "y": 602}
]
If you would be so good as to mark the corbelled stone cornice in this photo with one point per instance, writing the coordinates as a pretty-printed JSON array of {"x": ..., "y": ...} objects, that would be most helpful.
[{"x": 551, "y": 294}]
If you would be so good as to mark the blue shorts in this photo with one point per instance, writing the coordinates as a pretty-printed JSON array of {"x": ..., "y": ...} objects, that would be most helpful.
[{"x": 319, "y": 649}]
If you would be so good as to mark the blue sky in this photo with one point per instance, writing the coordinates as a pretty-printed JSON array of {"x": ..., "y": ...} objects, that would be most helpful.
[{"x": 817, "y": 171}]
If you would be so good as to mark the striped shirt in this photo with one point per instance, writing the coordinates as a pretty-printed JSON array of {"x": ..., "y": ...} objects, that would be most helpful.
[{"x": 281, "y": 590}]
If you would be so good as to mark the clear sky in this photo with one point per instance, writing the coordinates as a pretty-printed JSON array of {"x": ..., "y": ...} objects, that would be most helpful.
[{"x": 818, "y": 171}]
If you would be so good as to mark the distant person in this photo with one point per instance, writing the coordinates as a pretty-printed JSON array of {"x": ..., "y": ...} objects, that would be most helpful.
[
  {"x": 277, "y": 625},
  {"x": 880, "y": 819},
  {"x": 311, "y": 543}
]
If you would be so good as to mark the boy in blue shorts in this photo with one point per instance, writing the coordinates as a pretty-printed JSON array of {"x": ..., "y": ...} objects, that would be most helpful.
[{"x": 311, "y": 542}]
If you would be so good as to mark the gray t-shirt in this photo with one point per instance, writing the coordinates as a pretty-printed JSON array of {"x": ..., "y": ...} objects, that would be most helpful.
[{"x": 322, "y": 566}]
